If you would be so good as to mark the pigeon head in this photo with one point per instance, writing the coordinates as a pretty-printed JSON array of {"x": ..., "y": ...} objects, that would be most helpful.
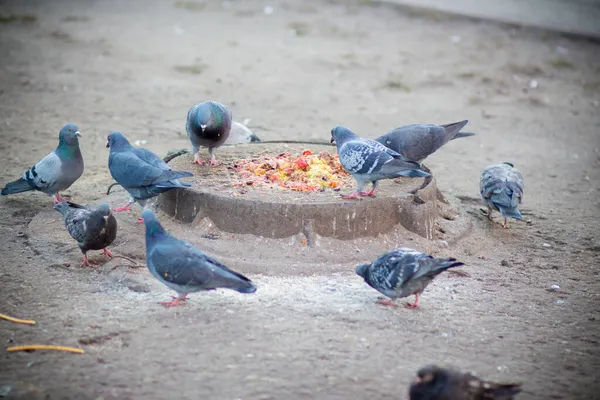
[
  {"x": 103, "y": 209},
  {"x": 69, "y": 135},
  {"x": 340, "y": 135},
  {"x": 209, "y": 115},
  {"x": 152, "y": 225},
  {"x": 116, "y": 141},
  {"x": 431, "y": 382},
  {"x": 362, "y": 270},
  {"x": 509, "y": 163}
]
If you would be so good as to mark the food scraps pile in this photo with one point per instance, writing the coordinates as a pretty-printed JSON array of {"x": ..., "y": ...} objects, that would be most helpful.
[{"x": 307, "y": 172}]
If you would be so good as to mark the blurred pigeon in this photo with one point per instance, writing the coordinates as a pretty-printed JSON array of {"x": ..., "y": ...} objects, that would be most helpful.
[
  {"x": 403, "y": 272},
  {"x": 501, "y": 187},
  {"x": 208, "y": 125},
  {"x": 142, "y": 173},
  {"x": 240, "y": 133},
  {"x": 417, "y": 141},
  {"x": 370, "y": 161},
  {"x": 94, "y": 229},
  {"x": 184, "y": 268},
  {"x": 55, "y": 172},
  {"x": 435, "y": 383}
]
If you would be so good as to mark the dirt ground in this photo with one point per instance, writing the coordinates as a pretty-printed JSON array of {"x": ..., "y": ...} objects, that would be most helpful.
[{"x": 311, "y": 331}]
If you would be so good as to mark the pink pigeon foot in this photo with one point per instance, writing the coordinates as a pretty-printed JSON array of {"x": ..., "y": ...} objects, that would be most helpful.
[
  {"x": 107, "y": 252},
  {"x": 86, "y": 262},
  {"x": 126, "y": 207},
  {"x": 387, "y": 303},
  {"x": 177, "y": 301},
  {"x": 140, "y": 221},
  {"x": 368, "y": 194},
  {"x": 214, "y": 162},
  {"x": 353, "y": 196},
  {"x": 197, "y": 160},
  {"x": 415, "y": 304}
]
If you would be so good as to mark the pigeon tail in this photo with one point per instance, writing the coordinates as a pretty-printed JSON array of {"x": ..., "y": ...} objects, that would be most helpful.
[
  {"x": 254, "y": 138},
  {"x": 247, "y": 288},
  {"x": 62, "y": 207},
  {"x": 501, "y": 390},
  {"x": 19, "y": 186},
  {"x": 414, "y": 173},
  {"x": 175, "y": 183},
  {"x": 463, "y": 134},
  {"x": 453, "y": 128},
  {"x": 435, "y": 266},
  {"x": 509, "y": 212}
]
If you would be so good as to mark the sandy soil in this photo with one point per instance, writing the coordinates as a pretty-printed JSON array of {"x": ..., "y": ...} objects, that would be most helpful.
[{"x": 308, "y": 333}]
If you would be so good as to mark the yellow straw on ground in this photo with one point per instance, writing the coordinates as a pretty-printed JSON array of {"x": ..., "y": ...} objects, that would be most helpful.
[
  {"x": 17, "y": 320},
  {"x": 45, "y": 347}
]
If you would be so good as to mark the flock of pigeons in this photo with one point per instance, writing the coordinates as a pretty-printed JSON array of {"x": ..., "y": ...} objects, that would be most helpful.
[{"x": 185, "y": 269}]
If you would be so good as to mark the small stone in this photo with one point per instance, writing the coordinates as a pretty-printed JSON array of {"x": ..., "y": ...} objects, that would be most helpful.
[
  {"x": 546, "y": 245},
  {"x": 504, "y": 263}
]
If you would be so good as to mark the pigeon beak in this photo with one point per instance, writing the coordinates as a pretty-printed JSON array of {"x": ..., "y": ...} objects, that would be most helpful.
[
  {"x": 107, "y": 144},
  {"x": 78, "y": 134},
  {"x": 332, "y": 140},
  {"x": 203, "y": 127}
]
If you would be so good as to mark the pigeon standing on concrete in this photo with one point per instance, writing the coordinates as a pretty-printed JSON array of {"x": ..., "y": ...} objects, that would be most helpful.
[
  {"x": 208, "y": 125},
  {"x": 141, "y": 172},
  {"x": 183, "y": 267},
  {"x": 435, "y": 383},
  {"x": 403, "y": 272},
  {"x": 417, "y": 141},
  {"x": 370, "y": 161},
  {"x": 55, "y": 172},
  {"x": 501, "y": 187},
  {"x": 94, "y": 229}
]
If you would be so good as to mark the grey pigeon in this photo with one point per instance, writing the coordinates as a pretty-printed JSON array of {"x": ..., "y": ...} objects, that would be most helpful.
[
  {"x": 240, "y": 133},
  {"x": 55, "y": 172},
  {"x": 370, "y": 161},
  {"x": 141, "y": 172},
  {"x": 403, "y": 272},
  {"x": 436, "y": 383},
  {"x": 94, "y": 229},
  {"x": 501, "y": 187},
  {"x": 417, "y": 141},
  {"x": 208, "y": 125},
  {"x": 183, "y": 267}
]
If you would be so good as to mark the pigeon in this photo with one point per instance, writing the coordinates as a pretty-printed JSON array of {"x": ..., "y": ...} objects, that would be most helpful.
[
  {"x": 183, "y": 267},
  {"x": 436, "y": 383},
  {"x": 55, "y": 172},
  {"x": 403, "y": 272},
  {"x": 417, "y": 141},
  {"x": 142, "y": 173},
  {"x": 94, "y": 229},
  {"x": 370, "y": 161},
  {"x": 240, "y": 133},
  {"x": 208, "y": 125},
  {"x": 501, "y": 187}
]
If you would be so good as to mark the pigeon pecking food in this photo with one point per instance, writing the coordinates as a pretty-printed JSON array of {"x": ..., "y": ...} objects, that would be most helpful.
[
  {"x": 436, "y": 383},
  {"x": 208, "y": 124},
  {"x": 501, "y": 187},
  {"x": 417, "y": 141},
  {"x": 370, "y": 161},
  {"x": 141, "y": 173},
  {"x": 183, "y": 267},
  {"x": 403, "y": 272},
  {"x": 55, "y": 172},
  {"x": 94, "y": 229}
]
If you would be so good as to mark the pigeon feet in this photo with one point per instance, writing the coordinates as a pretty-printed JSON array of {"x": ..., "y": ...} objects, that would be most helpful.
[
  {"x": 177, "y": 301},
  {"x": 214, "y": 162},
  {"x": 505, "y": 224},
  {"x": 415, "y": 304},
  {"x": 57, "y": 198},
  {"x": 353, "y": 196},
  {"x": 387, "y": 303},
  {"x": 197, "y": 160},
  {"x": 140, "y": 221},
  {"x": 126, "y": 207},
  {"x": 107, "y": 252},
  {"x": 368, "y": 194},
  {"x": 86, "y": 262}
]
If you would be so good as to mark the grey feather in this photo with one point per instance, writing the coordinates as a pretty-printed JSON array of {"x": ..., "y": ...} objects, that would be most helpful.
[
  {"x": 370, "y": 161},
  {"x": 240, "y": 133},
  {"x": 92, "y": 228},
  {"x": 417, "y": 141},
  {"x": 208, "y": 124},
  {"x": 183, "y": 267},
  {"x": 501, "y": 187},
  {"x": 403, "y": 272},
  {"x": 55, "y": 172},
  {"x": 142, "y": 173}
]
